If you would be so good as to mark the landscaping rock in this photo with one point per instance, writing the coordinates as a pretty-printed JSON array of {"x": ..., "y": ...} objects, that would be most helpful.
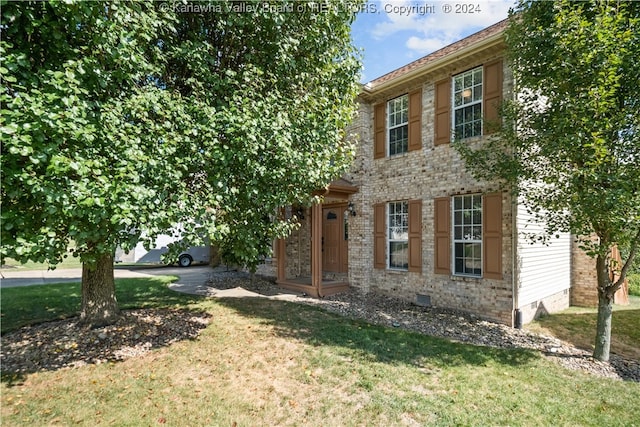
[{"x": 385, "y": 310}]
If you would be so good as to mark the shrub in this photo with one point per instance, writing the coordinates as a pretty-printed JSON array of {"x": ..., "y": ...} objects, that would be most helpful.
[{"x": 634, "y": 284}]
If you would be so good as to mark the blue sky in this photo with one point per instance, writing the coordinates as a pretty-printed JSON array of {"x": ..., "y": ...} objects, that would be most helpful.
[{"x": 396, "y": 32}]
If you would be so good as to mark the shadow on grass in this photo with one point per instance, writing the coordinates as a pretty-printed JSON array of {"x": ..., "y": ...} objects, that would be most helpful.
[
  {"x": 371, "y": 342},
  {"x": 56, "y": 345},
  {"x": 41, "y": 330},
  {"x": 31, "y": 305},
  {"x": 579, "y": 329}
]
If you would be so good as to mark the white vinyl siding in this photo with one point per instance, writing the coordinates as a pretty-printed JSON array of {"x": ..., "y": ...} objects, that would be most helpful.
[{"x": 544, "y": 269}]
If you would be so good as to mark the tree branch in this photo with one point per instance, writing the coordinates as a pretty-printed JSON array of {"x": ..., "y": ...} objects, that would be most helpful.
[{"x": 634, "y": 248}]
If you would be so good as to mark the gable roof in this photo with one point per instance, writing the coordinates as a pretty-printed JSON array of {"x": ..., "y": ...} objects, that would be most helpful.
[{"x": 491, "y": 34}]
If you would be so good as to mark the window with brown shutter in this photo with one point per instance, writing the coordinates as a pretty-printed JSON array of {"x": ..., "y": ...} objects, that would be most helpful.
[
  {"x": 443, "y": 112},
  {"x": 379, "y": 236},
  {"x": 492, "y": 236},
  {"x": 415, "y": 236},
  {"x": 477, "y": 242},
  {"x": 469, "y": 119},
  {"x": 442, "y": 235},
  {"x": 398, "y": 125}
]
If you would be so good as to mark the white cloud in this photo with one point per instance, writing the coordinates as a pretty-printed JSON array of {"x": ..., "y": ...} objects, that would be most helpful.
[
  {"x": 425, "y": 45},
  {"x": 432, "y": 28}
]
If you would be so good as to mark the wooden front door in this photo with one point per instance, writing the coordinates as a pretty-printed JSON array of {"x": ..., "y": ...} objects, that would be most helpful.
[{"x": 333, "y": 244}]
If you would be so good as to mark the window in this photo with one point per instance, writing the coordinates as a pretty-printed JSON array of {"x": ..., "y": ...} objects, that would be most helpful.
[
  {"x": 398, "y": 235},
  {"x": 398, "y": 124},
  {"x": 467, "y": 235},
  {"x": 467, "y": 104}
]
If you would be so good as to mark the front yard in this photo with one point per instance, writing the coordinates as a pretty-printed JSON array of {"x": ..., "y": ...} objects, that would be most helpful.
[{"x": 263, "y": 362}]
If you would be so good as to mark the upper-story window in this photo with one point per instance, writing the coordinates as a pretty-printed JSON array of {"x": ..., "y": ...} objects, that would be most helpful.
[
  {"x": 398, "y": 124},
  {"x": 467, "y": 104}
]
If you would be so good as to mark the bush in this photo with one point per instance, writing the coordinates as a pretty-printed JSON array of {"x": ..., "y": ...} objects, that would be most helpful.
[{"x": 634, "y": 284}]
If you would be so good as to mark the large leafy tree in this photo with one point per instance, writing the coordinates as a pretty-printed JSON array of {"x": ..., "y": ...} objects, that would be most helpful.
[
  {"x": 122, "y": 120},
  {"x": 570, "y": 141}
]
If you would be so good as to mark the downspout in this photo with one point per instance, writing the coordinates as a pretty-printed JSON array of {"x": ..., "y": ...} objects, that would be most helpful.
[
  {"x": 517, "y": 314},
  {"x": 515, "y": 267}
]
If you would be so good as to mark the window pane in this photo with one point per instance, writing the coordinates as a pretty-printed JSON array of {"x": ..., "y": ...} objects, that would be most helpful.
[
  {"x": 457, "y": 203},
  {"x": 457, "y": 83},
  {"x": 477, "y": 215},
  {"x": 398, "y": 255},
  {"x": 457, "y": 214},
  {"x": 457, "y": 233},
  {"x": 477, "y": 233},
  {"x": 477, "y": 112},
  {"x": 477, "y": 75},
  {"x": 477, "y": 93},
  {"x": 468, "y": 80}
]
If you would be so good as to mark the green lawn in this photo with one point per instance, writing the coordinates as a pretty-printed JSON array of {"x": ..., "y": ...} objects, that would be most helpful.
[
  {"x": 267, "y": 363},
  {"x": 68, "y": 262},
  {"x": 35, "y": 304},
  {"x": 577, "y": 325}
]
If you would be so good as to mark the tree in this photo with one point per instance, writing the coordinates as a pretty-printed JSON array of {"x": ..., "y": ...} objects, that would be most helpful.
[
  {"x": 569, "y": 144},
  {"x": 122, "y": 120}
]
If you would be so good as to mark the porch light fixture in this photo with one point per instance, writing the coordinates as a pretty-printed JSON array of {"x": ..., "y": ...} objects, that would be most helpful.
[
  {"x": 350, "y": 210},
  {"x": 300, "y": 213}
]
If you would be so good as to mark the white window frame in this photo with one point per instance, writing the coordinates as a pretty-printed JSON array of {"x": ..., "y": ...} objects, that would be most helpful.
[
  {"x": 467, "y": 231},
  {"x": 403, "y": 100},
  {"x": 465, "y": 96},
  {"x": 400, "y": 235}
]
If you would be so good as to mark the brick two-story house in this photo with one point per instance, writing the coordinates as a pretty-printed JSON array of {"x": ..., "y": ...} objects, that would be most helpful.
[{"x": 410, "y": 220}]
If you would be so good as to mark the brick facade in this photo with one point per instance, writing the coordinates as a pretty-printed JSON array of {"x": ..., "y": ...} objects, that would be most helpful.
[
  {"x": 432, "y": 172},
  {"x": 584, "y": 283}
]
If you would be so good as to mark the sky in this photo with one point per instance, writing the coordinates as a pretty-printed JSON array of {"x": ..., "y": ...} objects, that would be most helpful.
[{"x": 393, "y": 33}]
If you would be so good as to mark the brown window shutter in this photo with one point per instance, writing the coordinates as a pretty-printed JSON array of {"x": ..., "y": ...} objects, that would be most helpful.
[
  {"x": 379, "y": 236},
  {"x": 380, "y": 133},
  {"x": 492, "y": 236},
  {"x": 492, "y": 96},
  {"x": 415, "y": 120},
  {"x": 443, "y": 113},
  {"x": 442, "y": 240},
  {"x": 415, "y": 236}
]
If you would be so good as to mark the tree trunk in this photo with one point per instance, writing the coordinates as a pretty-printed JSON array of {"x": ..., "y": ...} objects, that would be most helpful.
[
  {"x": 99, "y": 304},
  {"x": 605, "y": 310}
]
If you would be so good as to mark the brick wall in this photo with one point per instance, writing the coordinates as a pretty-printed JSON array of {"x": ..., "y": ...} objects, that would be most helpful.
[
  {"x": 434, "y": 171},
  {"x": 584, "y": 291},
  {"x": 584, "y": 281}
]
